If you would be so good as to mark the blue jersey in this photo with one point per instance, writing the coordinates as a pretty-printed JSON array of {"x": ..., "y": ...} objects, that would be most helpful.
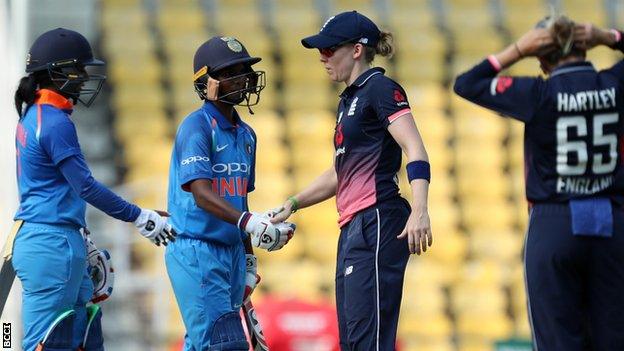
[
  {"x": 367, "y": 157},
  {"x": 53, "y": 179},
  {"x": 208, "y": 146},
  {"x": 573, "y": 126}
]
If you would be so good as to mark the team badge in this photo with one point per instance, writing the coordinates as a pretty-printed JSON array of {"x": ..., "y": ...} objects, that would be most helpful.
[{"x": 233, "y": 44}]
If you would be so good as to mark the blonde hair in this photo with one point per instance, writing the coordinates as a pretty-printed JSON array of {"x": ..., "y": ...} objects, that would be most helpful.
[
  {"x": 562, "y": 31},
  {"x": 385, "y": 47}
]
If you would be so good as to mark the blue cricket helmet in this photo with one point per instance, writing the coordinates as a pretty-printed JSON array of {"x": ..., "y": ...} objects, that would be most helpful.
[
  {"x": 58, "y": 46},
  {"x": 64, "y": 54}
]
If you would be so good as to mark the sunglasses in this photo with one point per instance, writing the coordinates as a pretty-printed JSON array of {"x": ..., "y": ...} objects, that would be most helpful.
[{"x": 330, "y": 51}]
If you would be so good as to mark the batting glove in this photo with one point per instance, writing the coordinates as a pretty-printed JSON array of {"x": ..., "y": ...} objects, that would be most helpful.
[
  {"x": 154, "y": 227},
  {"x": 287, "y": 230},
  {"x": 100, "y": 270},
  {"x": 251, "y": 276},
  {"x": 262, "y": 232}
]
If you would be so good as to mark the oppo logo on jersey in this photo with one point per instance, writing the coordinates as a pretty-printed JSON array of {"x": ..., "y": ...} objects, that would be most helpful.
[
  {"x": 189, "y": 160},
  {"x": 230, "y": 168}
]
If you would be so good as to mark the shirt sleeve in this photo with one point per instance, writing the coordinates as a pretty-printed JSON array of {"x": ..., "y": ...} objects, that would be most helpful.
[
  {"x": 78, "y": 175},
  {"x": 618, "y": 68},
  {"x": 60, "y": 140},
  {"x": 517, "y": 97},
  {"x": 193, "y": 145},
  {"x": 389, "y": 101}
]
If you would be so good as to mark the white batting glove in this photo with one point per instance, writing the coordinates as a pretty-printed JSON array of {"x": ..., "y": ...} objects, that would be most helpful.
[
  {"x": 155, "y": 227},
  {"x": 262, "y": 232},
  {"x": 287, "y": 230},
  {"x": 100, "y": 270},
  {"x": 251, "y": 276}
]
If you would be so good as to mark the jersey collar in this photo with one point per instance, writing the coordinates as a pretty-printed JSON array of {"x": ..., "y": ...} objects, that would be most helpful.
[
  {"x": 581, "y": 66},
  {"x": 50, "y": 97},
  {"x": 223, "y": 122},
  {"x": 362, "y": 80}
]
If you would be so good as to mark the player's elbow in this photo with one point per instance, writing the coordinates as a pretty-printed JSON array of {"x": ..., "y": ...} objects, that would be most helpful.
[{"x": 461, "y": 86}]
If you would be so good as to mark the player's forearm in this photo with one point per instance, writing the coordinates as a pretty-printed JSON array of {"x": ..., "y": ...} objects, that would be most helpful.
[
  {"x": 212, "y": 203},
  {"x": 508, "y": 56},
  {"x": 321, "y": 189},
  {"x": 420, "y": 191}
]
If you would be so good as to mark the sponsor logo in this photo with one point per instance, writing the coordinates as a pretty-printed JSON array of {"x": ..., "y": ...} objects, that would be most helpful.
[
  {"x": 353, "y": 106},
  {"x": 500, "y": 84},
  {"x": 364, "y": 40},
  {"x": 192, "y": 159},
  {"x": 150, "y": 225},
  {"x": 340, "y": 151},
  {"x": 221, "y": 148},
  {"x": 230, "y": 168},
  {"x": 249, "y": 149},
  {"x": 398, "y": 96},
  {"x": 340, "y": 116},
  {"x": 338, "y": 137},
  {"x": 6, "y": 335},
  {"x": 349, "y": 270}
]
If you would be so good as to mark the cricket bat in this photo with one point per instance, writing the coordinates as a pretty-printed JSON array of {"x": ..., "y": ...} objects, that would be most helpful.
[
  {"x": 258, "y": 343},
  {"x": 7, "y": 273}
]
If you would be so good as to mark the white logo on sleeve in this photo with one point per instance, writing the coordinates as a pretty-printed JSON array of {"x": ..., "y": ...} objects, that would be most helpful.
[
  {"x": 192, "y": 159},
  {"x": 221, "y": 148},
  {"x": 353, "y": 106}
]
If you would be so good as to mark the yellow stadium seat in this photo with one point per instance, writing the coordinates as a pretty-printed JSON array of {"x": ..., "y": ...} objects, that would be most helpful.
[
  {"x": 272, "y": 188},
  {"x": 411, "y": 343},
  {"x": 428, "y": 98},
  {"x": 475, "y": 344},
  {"x": 180, "y": 17},
  {"x": 312, "y": 126},
  {"x": 423, "y": 298},
  {"x": 425, "y": 270},
  {"x": 449, "y": 246},
  {"x": 480, "y": 274},
  {"x": 491, "y": 327},
  {"x": 503, "y": 247},
  {"x": 131, "y": 124},
  {"x": 478, "y": 214},
  {"x": 139, "y": 96},
  {"x": 445, "y": 215},
  {"x": 488, "y": 183},
  {"x": 305, "y": 95},
  {"x": 320, "y": 246},
  {"x": 143, "y": 70},
  {"x": 430, "y": 326}
]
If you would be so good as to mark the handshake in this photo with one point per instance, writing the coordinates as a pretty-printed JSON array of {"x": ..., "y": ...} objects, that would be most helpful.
[{"x": 265, "y": 234}]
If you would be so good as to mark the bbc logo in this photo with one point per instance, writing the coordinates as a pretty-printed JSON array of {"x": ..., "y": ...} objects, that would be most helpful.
[{"x": 6, "y": 335}]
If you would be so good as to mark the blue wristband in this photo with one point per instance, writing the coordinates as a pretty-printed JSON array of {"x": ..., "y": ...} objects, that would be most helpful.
[{"x": 418, "y": 170}]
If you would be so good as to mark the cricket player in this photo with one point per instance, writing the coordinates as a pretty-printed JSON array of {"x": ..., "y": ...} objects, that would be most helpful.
[
  {"x": 574, "y": 249},
  {"x": 378, "y": 228},
  {"x": 54, "y": 182},
  {"x": 211, "y": 266}
]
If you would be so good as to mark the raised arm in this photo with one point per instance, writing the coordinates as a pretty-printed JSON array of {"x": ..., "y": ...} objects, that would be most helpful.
[{"x": 511, "y": 96}]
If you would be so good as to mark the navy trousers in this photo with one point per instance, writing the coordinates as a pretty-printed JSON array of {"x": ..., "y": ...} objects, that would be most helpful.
[
  {"x": 575, "y": 284},
  {"x": 369, "y": 276}
]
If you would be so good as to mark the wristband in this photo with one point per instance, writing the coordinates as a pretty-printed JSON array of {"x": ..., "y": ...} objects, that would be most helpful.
[
  {"x": 418, "y": 170},
  {"x": 616, "y": 33},
  {"x": 243, "y": 220},
  {"x": 295, "y": 203}
]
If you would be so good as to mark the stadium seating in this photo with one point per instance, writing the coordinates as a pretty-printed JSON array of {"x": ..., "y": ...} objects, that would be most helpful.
[{"x": 468, "y": 290}]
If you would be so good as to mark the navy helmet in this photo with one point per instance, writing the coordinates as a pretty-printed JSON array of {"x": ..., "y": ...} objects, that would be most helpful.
[
  {"x": 65, "y": 54},
  {"x": 343, "y": 28},
  {"x": 218, "y": 54}
]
